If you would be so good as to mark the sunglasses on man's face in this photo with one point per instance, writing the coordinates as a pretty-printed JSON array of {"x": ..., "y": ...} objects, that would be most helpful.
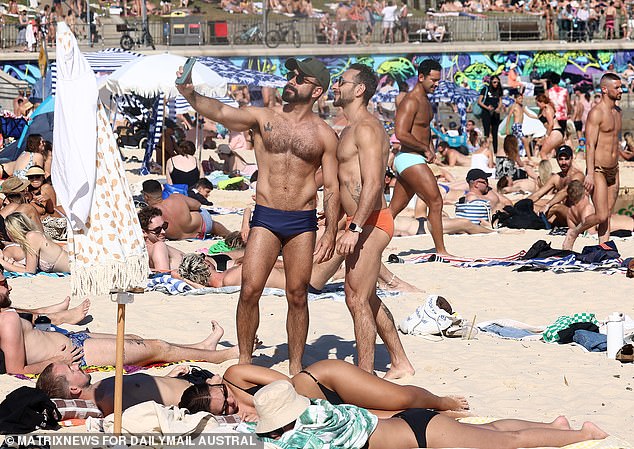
[
  {"x": 300, "y": 78},
  {"x": 35, "y": 177},
  {"x": 158, "y": 230}
]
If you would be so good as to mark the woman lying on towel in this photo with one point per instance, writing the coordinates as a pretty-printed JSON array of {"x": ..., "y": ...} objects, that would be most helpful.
[
  {"x": 336, "y": 381},
  {"x": 293, "y": 420},
  {"x": 39, "y": 253}
]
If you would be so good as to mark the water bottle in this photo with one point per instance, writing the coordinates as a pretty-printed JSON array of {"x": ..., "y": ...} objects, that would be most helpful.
[{"x": 615, "y": 333}]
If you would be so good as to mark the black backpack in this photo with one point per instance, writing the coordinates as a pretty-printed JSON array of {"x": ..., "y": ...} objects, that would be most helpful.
[
  {"x": 27, "y": 409},
  {"x": 519, "y": 216}
]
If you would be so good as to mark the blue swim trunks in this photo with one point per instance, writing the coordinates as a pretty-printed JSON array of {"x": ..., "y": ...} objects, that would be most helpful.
[
  {"x": 404, "y": 160},
  {"x": 206, "y": 224},
  {"x": 78, "y": 339},
  {"x": 284, "y": 223}
]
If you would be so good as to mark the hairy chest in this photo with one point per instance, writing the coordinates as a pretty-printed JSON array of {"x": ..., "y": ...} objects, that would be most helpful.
[{"x": 283, "y": 137}]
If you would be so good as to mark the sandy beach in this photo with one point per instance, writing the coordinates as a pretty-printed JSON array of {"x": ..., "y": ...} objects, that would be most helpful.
[{"x": 500, "y": 378}]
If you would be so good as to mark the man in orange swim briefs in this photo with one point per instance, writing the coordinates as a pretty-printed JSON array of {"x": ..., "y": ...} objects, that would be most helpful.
[{"x": 362, "y": 154}]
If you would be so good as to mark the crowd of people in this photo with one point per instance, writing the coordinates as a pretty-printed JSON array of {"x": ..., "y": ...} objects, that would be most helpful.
[{"x": 363, "y": 180}]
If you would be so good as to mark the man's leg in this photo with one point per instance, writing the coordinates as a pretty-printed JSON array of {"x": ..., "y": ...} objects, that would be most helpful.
[
  {"x": 420, "y": 179},
  {"x": 259, "y": 258},
  {"x": 322, "y": 272},
  {"x": 613, "y": 194},
  {"x": 298, "y": 262},
  {"x": 462, "y": 226},
  {"x": 219, "y": 229},
  {"x": 101, "y": 351},
  {"x": 401, "y": 197}
]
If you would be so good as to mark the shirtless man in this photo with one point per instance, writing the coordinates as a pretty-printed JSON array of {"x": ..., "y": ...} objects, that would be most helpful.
[
  {"x": 556, "y": 209},
  {"x": 362, "y": 154},
  {"x": 602, "y": 160},
  {"x": 185, "y": 216},
  {"x": 413, "y": 118},
  {"x": 581, "y": 207},
  {"x": 28, "y": 350},
  {"x": 56, "y": 313},
  {"x": 70, "y": 381},
  {"x": 291, "y": 143},
  {"x": 479, "y": 189},
  {"x": 162, "y": 257},
  {"x": 451, "y": 157},
  {"x": 516, "y": 116}
]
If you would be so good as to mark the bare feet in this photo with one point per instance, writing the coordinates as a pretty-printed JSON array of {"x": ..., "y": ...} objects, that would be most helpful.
[
  {"x": 593, "y": 432},
  {"x": 216, "y": 334},
  {"x": 59, "y": 307},
  {"x": 443, "y": 253},
  {"x": 235, "y": 350},
  {"x": 458, "y": 403},
  {"x": 71, "y": 316},
  {"x": 397, "y": 284},
  {"x": 569, "y": 241},
  {"x": 398, "y": 372},
  {"x": 561, "y": 422}
]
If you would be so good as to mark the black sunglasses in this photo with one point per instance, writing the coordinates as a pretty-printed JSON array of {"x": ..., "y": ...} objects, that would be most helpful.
[
  {"x": 300, "y": 78},
  {"x": 225, "y": 395},
  {"x": 157, "y": 231},
  {"x": 341, "y": 81},
  {"x": 34, "y": 176}
]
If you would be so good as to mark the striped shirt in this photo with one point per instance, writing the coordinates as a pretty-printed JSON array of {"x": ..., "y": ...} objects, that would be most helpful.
[{"x": 474, "y": 211}]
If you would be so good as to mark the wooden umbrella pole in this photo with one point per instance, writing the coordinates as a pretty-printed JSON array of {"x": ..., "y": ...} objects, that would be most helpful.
[
  {"x": 118, "y": 377},
  {"x": 121, "y": 298}
]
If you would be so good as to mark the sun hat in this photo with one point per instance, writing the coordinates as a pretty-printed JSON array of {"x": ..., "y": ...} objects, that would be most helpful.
[
  {"x": 14, "y": 185},
  {"x": 223, "y": 148},
  {"x": 35, "y": 171},
  {"x": 278, "y": 404},
  {"x": 311, "y": 67}
]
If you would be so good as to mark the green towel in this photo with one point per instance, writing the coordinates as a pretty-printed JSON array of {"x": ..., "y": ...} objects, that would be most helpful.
[
  {"x": 219, "y": 247},
  {"x": 551, "y": 334},
  {"x": 224, "y": 185}
]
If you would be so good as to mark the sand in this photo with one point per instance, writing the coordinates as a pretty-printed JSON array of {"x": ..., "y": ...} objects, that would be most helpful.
[{"x": 500, "y": 378}]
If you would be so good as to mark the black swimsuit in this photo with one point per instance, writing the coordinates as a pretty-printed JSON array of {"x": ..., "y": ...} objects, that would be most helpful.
[
  {"x": 331, "y": 396},
  {"x": 544, "y": 120}
]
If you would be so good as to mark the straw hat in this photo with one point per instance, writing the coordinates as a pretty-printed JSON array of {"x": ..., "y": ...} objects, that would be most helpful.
[
  {"x": 35, "y": 171},
  {"x": 278, "y": 404},
  {"x": 14, "y": 185}
]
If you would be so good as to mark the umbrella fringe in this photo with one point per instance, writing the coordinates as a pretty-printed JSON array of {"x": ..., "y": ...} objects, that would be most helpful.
[{"x": 100, "y": 278}]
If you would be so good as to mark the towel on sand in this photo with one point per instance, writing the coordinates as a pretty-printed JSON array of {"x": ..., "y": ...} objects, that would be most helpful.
[
  {"x": 15, "y": 274},
  {"x": 511, "y": 329}
]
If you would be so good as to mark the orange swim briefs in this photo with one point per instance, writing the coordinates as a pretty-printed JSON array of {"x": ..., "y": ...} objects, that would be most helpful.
[{"x": 381, "y": 219}]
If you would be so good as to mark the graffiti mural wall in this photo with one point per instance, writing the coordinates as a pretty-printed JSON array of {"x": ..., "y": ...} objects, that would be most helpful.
[{"x": 471, "y": 68}]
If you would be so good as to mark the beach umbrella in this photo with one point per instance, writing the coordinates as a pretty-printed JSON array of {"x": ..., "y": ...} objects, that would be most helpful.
[
  {"x": 448, "y": 92},
  {"x": 106, "y": 247},
  {"x": 237, "y": 75},
  {"x": 153, "y": 75}
]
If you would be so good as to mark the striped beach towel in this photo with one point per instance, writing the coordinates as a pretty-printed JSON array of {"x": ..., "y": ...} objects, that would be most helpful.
[{"x": 433, "y": 257}]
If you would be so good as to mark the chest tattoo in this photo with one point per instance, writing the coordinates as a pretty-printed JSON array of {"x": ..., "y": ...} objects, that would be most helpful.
[{"x": 268, "y": 127}]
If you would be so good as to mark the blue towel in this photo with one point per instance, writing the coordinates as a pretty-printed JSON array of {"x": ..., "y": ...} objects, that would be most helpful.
[
  {"x": 507, "y": 331},
  {"x": 592, "y": 341}
]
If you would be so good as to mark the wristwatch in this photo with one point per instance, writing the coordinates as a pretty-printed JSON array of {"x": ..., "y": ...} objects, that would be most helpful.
[{"x": 355, "y": 228}]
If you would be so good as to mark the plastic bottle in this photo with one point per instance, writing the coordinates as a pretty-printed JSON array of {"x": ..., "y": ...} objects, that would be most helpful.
[{"x": 615, "y": 333}]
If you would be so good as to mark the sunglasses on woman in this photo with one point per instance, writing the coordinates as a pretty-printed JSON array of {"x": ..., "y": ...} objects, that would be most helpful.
[
  {"x": 300, "y": 78},
  {"x": 225, "y": 395},
  {"x": 157, "y": 231}
]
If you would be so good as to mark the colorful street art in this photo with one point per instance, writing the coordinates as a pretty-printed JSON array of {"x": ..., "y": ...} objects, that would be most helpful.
[{"x": 578, "y": 67}]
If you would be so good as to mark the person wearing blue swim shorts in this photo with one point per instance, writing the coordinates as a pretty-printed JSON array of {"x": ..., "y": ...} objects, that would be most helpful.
[
  {"x": 291, "y": 143},
  {"x": 413, "y": 118}
]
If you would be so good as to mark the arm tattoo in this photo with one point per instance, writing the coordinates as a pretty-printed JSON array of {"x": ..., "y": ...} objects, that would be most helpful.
[{"x": 355, "y": 191}]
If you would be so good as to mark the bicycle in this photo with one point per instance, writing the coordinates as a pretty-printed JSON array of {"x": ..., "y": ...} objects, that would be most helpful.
[
  {"x": 128, "y": 41},
  {"x": 283, "y": 33},
  {"x": 251, "y": 35}
]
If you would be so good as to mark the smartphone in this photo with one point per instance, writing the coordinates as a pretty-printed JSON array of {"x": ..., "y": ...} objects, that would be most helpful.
[{"x": 187, "y": 70}]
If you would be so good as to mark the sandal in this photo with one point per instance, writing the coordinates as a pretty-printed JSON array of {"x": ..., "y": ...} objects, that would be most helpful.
[{"x": 625, "y": 354}]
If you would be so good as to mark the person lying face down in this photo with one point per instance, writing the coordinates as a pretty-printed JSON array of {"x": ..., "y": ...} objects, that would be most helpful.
[{"x": 292, "y": 420}]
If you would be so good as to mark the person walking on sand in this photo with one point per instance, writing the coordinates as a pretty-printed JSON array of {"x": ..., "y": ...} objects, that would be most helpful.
[
  {"x": 602, "y": 160},
  {"x": 413, "y": 118},
  {"x": 362, "y": 155},
  {"x": 291, "y": 143}
]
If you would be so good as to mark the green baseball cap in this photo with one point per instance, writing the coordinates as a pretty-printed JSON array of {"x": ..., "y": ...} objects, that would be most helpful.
[{"x": 311, "y": 67}]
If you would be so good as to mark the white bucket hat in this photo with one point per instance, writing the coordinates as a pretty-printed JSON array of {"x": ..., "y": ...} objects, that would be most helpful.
[{"x": 278, "y": 404}]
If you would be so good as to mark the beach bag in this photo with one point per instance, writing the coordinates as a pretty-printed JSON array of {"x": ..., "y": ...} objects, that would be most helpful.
[
  {"x": 27, "y": 409},
  {"x": 477, "y": 109},
  {"x": 519, "y": 216},
  {"x": 431, "y": 317}
]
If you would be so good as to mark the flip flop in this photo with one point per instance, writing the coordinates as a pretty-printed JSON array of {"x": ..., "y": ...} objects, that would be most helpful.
[{"x": 626, "y": 354}]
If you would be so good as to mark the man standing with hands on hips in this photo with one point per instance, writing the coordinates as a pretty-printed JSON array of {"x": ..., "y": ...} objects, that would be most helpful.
[{"x": 290, "y": 143}]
